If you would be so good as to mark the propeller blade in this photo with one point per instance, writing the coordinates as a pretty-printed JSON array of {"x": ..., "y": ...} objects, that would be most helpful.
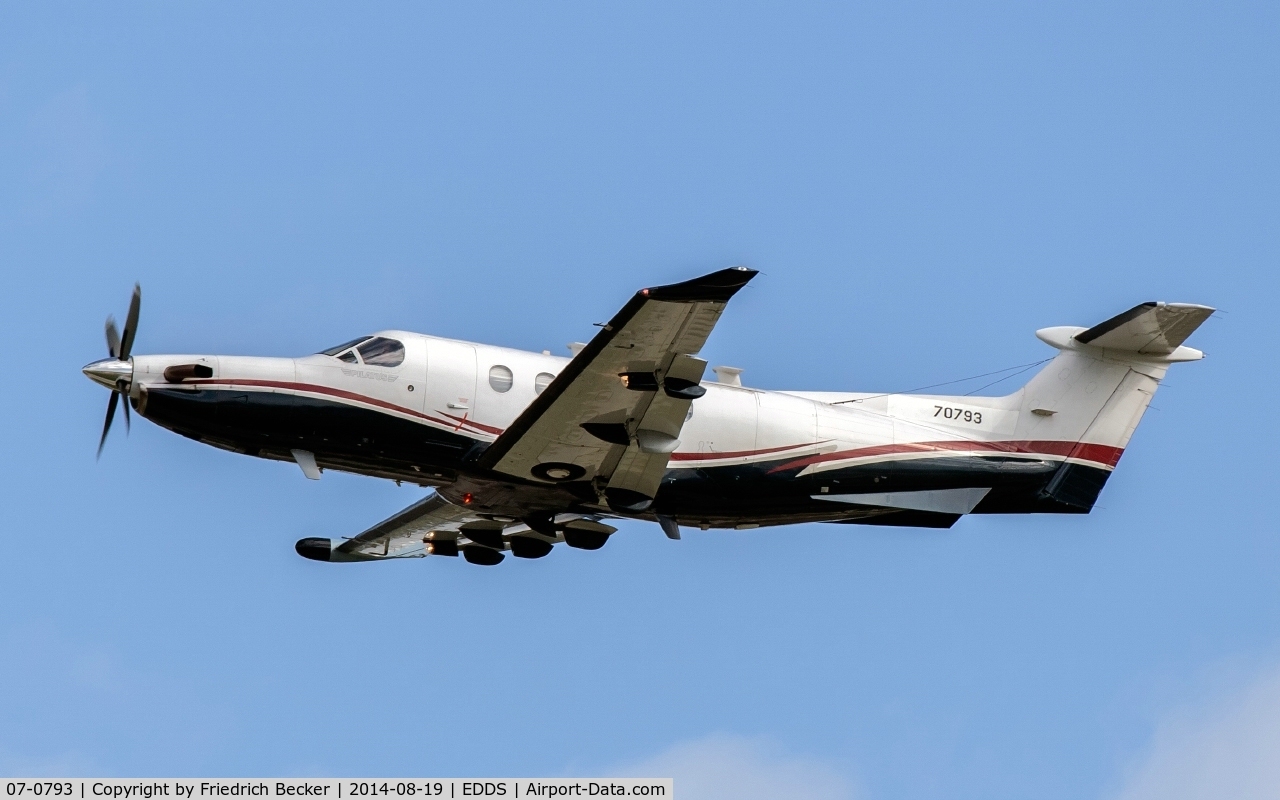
[
  {"x": 106, "y": 427},
  {"x": 123, "y": 388},
  {"x": 130, "y": 324},
  {"x": 113, "y": 338},
  {"x": 119, "y": 346}
]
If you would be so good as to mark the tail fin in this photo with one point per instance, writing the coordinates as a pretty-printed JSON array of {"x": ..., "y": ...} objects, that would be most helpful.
[{"x": 1094, "y": 393}]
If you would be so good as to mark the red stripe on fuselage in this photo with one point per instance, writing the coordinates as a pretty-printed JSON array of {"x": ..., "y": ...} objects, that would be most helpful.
[
  {"x": 1098, "y": 453},
  {"x": 472, "y": 423},
  {"x": 342, "y": 393}
]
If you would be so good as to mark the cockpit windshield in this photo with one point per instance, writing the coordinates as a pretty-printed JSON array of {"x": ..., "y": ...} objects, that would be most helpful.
[
  {"x": 333, "y": 351},
  {"x": 381, "y": 351},
  {"x": 376, "y": 350}
]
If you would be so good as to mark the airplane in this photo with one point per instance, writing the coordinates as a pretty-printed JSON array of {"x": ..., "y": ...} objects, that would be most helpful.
[{"x": 524, "y": 451}]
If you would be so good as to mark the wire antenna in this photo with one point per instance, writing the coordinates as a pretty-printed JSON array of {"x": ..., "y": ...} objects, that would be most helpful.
[{"x": 1021, "y": 368}]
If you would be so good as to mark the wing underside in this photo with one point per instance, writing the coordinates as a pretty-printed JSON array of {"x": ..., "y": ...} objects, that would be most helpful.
[{"x": 434, "y": 526}]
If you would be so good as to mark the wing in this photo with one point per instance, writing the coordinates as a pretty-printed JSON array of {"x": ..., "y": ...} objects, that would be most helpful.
[
  {"x": 434, "y": 526},
  {"x": 404, "y": 535},
  {"x": 615, "y": 412}
]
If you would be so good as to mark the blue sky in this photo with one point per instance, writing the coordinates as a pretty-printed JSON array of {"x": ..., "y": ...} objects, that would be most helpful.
[{"x": 922, "y": 186}]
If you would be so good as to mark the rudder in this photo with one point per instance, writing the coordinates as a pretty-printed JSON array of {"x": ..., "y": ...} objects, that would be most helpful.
[{"x": 1089, "y": 399}]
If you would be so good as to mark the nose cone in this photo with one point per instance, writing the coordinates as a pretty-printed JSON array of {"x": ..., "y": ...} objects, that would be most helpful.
[{"x": 109, "y": 371}]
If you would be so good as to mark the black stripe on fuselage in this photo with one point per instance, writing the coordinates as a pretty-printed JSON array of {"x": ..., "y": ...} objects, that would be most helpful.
[
  {"x": 273, "y": 423},
  {"x": 1017, "y": 486},
  {"x": 366, "y": 441}
]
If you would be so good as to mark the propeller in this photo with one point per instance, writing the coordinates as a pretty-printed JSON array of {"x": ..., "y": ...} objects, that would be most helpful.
[{"x": 116, "y": 372}]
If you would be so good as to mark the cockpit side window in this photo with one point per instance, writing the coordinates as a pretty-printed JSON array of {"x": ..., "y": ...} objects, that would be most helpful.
[
  {"x": 349, "y": 357},
  {"x": 383, "y": 352},
  {"x": 333, "y": 351}
]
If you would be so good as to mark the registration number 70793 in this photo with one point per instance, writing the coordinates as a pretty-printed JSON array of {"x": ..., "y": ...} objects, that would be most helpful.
[{"x": 958, "y": 414}]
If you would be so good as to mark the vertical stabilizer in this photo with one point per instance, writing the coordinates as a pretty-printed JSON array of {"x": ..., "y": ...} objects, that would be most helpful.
[{"x": 1089, "y": 399}]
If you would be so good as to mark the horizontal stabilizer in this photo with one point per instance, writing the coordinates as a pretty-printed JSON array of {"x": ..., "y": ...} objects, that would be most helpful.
[{"x": 1150, "y": 329}]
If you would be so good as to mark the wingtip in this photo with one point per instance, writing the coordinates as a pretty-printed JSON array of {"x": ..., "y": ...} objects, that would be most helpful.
[
  {"x": 716, "y": 286},
  {"x": 314, "y": 548}
]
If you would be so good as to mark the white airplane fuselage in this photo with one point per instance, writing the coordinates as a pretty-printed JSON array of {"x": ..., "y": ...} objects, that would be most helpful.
[{"x": 745, "y": 457}]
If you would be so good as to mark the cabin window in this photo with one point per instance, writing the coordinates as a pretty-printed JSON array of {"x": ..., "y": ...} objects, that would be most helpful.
[
  {"x": 500, "y": 378},
  {"x": 542, "y": 381},
  {"x": 382, "y": 352},
  {"x": 333, "y": 351}
]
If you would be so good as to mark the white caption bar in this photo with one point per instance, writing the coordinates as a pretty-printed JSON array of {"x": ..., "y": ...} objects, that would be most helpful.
[{"x": 332, "y": 788}]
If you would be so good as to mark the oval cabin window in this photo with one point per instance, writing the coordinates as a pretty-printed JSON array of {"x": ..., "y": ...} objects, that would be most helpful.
[
  {"x": 500, "y": 378},
  {"x": 541, "y": 382}
]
